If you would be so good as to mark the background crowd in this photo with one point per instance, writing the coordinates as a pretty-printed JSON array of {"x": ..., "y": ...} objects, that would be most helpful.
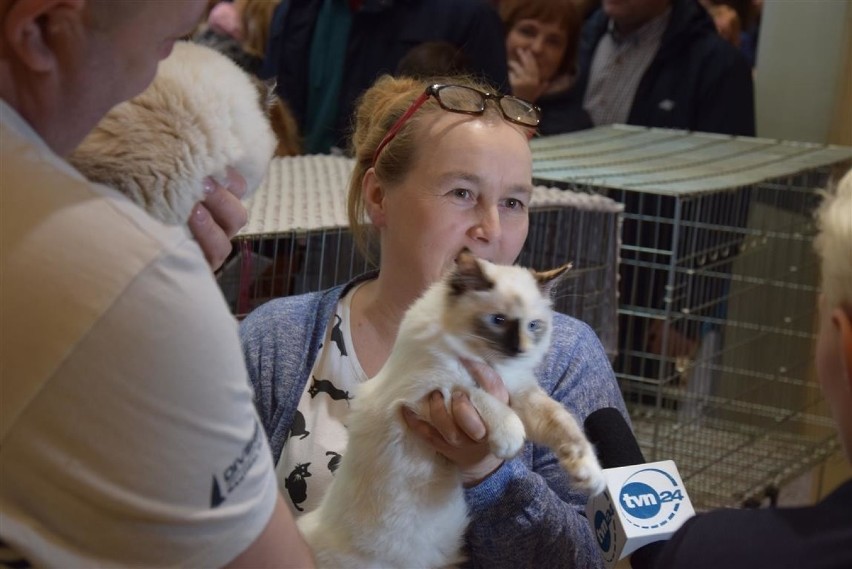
[{"x": 664, "y": 63}]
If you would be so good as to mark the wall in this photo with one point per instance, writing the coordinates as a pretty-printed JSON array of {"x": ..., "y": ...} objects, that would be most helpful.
[
  {"x": 803, "y": 71},
  {"x": 803, "y": 91}
]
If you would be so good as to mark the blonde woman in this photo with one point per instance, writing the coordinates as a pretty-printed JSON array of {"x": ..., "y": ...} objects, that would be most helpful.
[{"x": 440, "y": 168}]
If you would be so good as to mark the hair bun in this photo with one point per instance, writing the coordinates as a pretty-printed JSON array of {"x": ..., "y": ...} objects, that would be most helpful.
[{"x": 374, "y": 111}]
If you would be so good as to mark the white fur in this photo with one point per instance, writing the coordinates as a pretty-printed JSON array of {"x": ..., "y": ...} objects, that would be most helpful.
[
  {"x": 394, "y": 502},
  {"x": 201, "y": 114}
]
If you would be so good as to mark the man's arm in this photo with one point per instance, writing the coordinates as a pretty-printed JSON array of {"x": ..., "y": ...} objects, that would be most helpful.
[{"x": 280, "y": 545}]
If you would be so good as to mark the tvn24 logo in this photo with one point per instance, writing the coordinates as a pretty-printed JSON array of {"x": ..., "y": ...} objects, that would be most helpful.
[{"x": 651, "y": 498}]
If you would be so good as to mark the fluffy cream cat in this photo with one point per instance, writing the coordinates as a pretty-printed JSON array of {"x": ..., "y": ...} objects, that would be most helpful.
[
  {"x": 201, "y": 114},
  {"x": 394, "y": 502}
]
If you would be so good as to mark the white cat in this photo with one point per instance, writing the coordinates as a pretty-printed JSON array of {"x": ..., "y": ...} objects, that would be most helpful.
[
  {"x": 394, "y": 502},
  {"x": 201, "y": 114}
]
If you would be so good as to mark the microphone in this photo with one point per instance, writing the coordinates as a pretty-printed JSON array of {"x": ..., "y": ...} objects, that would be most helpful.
[{"x": 642, "y": 503}]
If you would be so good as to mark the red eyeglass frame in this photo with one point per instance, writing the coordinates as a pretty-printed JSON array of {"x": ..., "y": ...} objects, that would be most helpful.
[{"x": 433, "y": 90}]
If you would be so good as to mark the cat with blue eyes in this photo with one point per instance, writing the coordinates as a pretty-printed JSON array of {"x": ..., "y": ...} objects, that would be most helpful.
[{"x": 394, "y": 501}]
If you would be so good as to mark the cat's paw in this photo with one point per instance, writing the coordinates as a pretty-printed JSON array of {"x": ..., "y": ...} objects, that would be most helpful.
[
  {"x": 583, "y": 466},
  {"x": 507, "y": 438}
]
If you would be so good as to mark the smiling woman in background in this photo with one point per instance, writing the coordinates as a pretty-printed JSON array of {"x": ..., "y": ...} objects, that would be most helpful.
[
  {"x": 542, "y": 37},
  {"x": 439, "y": 168}
]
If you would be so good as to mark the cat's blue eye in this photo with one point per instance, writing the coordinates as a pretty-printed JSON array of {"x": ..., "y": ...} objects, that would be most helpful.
[
  {"x": 497, "y": 319},
  {"x": 535, "y": 325}
]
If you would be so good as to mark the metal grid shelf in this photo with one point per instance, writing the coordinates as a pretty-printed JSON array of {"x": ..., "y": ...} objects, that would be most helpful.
[{"x": 734, "y": 463}]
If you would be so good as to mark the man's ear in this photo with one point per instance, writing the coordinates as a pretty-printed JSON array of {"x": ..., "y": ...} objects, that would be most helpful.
[
  {"x": 30, "y": 29},
  {"x": 841, "y": 318},
  {"x": 373, "y": 195}
]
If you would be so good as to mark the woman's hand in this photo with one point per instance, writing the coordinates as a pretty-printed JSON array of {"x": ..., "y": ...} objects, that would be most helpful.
[
  {"x": 217, "y": 219},
  {"x": 525, "y": 78},
  {"x": 459, "y": 433}
]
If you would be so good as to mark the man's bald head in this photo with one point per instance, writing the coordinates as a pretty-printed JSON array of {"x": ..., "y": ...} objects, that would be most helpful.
[
  {"x": 65, "y": 63},
  {"x": 104, "y": 15}
]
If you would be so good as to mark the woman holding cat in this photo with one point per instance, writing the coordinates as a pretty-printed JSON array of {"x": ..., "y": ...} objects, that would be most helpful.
[{"x": 434, "y": 176}]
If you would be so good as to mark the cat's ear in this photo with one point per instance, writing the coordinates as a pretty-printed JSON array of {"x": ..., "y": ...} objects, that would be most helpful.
[
  {"x": 280, "y": 117},
  {"x": 268, "y": 95},
  {"x": 468, "y": 275},
  {"x": 547, "y": 280}
]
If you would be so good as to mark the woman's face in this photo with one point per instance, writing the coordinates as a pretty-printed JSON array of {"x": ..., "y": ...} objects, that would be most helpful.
[
  {"x": 469, "y": 187},
  {"x": 544, "y": 40}
]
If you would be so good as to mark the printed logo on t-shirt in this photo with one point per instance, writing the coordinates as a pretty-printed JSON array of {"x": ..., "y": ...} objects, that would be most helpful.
[{"x": 227, "y": 481}]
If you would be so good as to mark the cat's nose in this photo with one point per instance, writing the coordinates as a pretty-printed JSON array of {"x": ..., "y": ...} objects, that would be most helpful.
[{"x": 511, "y": 343}]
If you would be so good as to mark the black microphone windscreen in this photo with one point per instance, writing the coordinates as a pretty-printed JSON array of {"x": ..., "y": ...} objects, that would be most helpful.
[{"x": 610, "y": 434}]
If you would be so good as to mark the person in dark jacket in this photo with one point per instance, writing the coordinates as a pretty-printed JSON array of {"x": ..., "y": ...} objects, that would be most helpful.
[
  {"x": 325, "y": 53},
  {"x": 661, "y": 63}
]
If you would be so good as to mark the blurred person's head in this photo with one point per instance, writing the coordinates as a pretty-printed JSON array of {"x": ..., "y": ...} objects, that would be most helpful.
[
  {"x": 834, "y": 340},
  {"x": 440, "y": 181},
  {"x": 728, "y": 22},
  {"x": 549, "y": 29},
  {"x": 630, "y": 15},
  {"x": 65, "y": 63}
]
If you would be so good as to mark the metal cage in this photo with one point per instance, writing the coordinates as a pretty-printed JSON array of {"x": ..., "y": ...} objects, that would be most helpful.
[{"x": 718, "y": 289}]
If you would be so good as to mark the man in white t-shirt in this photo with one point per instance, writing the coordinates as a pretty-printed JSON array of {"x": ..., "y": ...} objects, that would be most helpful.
[{"x": 127, "y": 430}]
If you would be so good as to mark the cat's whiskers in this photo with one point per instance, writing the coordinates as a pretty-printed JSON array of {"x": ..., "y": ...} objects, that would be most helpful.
[
  {"x": 477, "y": 336},
  {"x": 557, "y": 296}
]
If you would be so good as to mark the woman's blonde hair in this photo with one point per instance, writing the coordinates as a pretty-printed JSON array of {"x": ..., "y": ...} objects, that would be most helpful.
[
  {"x": 378, "y": 108},
  {"x": 834, "y": 243}
]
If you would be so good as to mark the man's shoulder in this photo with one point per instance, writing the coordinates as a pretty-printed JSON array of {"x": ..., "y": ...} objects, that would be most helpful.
[
  {"x": 59, "y": 227},
  {"x": 595, "y": 26},
  {"x": 46, "y": 192},
  {"x": 691, "y": 33}
]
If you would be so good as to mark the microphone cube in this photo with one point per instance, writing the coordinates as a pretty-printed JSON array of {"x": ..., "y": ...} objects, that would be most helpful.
[{"x": 640, "y": 504}]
